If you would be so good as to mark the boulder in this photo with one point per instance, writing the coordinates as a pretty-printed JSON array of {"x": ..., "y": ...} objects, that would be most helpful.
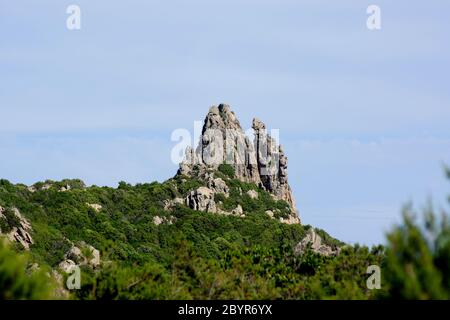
[
  {"x": 94, "y": 261},
  {"x": 172, "y": 203},
  {"x": 201, "y": 199},
  {"x": 217, "y": 185},
  {"x": 65, "y": 188},
  {"x": 253, "y": 194},
  {"x": 238, "y": 211},
  {"x": 78, "y": 257},
  {"x": 290, "y": 220},
  {"x": 74, "y": 254},
  {"x": 97, "y": 207},
  {"x": 67, "y": 265},
  {"x": 315, "y": 241},
  {"x": 157, "y": 220},
  {"x": 46, "y": 186},
  {"x": 270, "y": 213}
]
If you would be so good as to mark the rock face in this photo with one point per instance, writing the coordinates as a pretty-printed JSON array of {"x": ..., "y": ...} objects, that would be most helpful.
[
  {"x": 157, "y": 220},
  {"x": 20, "y": 232},
  {"x": 67, "y": 265},
  {"x": 218, "y": 186},
  {"x": 97, "y": 207},
  {"x": 202, "y": 199},
  {"x": 172, "y": 203},
  {"x": 76, "y": 257},
  {"x": 252, "y": 194},
  {"x": 313, "y": 239},
  {"x": 223, "y": 140}
]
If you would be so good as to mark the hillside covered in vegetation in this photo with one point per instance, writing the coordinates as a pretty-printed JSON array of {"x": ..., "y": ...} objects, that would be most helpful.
[
  {"x": 214, "y": 231},
  {"x": 189, "y": 254},
  {"x": 201, "y": 255}
]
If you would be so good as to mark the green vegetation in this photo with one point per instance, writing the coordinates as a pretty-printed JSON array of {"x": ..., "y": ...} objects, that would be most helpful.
[
  {"x": 265, "y": 201},
  {"x": 227, "y": 170},
  {"x": 417, "y": 262},
  {"x": 9, "y": 220},
  {"x": 15, "y": 283},
  {"x": 208, "y": 256}
]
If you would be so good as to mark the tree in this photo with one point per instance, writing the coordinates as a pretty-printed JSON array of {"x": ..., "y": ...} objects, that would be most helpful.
[
  {"x": 417, "y": 262},
  {"x": 15, "y": 283}
]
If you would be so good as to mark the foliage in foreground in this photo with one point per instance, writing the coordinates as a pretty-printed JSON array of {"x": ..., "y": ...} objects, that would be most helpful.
[
  {"x": 16, "y": 282},
  {"x": 417, "y": 262}
]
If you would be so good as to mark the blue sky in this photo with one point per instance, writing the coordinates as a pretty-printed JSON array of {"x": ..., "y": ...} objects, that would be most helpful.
[{"x": 363, "y": 115}]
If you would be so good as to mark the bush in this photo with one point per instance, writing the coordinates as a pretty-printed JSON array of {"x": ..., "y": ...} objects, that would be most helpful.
[
  {"x": 227, "y": 170},
  {"x": 418, "y": 259},
  {"x": 9, "y": 221},
  {"x": 15, "y": 283}
]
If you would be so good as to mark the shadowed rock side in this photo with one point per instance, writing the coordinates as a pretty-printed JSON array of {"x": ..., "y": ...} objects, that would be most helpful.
[
  {"x": 19, "y": 231},
  {"x": 261, "y": 161},
  {"x": 314, "y": 241}
]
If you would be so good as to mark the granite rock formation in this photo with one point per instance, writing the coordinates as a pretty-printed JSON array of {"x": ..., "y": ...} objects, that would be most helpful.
[
  {"x": 80, "y": 255},
  {"x": 261, "y": 161},
  {"x": 314, "y": 241},
  {"x": 21, "y": 232}
]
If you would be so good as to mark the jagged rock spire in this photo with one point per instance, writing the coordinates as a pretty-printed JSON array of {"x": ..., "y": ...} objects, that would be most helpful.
[
  {"x": 221, "y": 117},
  {"x": 223, "y": 140},
  {"x": 272, "y": 164}
]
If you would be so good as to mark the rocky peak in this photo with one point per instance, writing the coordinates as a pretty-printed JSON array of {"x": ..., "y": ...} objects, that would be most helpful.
[
  {"x": 221, "y": 117},
  {"x": 258, "y": 125},
  {"x": 261, "y": 161},
  {"x": 272, "y": 164}
]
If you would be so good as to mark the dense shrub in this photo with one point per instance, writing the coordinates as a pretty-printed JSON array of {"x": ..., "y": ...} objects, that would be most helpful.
[
  {"x": 15, "y": 282},
  {"x": 9, "y": 221},
  {"x": 227, "y": 170},
  {"x": 417, "y": 262}
]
